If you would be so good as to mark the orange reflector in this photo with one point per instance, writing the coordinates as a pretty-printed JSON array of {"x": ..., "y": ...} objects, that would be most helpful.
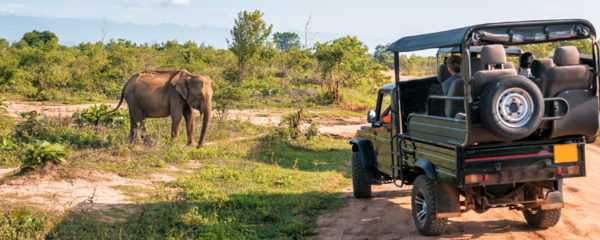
[{"x": 565, "y": 153}]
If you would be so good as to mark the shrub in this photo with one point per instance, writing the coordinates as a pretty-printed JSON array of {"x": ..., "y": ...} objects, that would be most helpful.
[
  {"x": 32, "y": 126},
  {"x": 5, "y": 143},
  {"x": 43, "y": 153},
  {"x": 312, "y": 131},
  {"x": 98, "y": 115},
  {"x": 19, "y": 224},
  {"x": 291, "y": 124}
]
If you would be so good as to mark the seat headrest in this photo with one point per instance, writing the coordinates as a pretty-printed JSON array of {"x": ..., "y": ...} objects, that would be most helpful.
[
  {"x": 540, "y": 66},
  {"x": 566, "y": 55},
  {"x": 493, "y": 54},
  {"x": 443, "y": 73},
  {"x": 509, "y": 65}
]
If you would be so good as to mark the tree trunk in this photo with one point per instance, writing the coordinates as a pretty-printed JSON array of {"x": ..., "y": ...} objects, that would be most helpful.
[{"x": 241, "y": 70}]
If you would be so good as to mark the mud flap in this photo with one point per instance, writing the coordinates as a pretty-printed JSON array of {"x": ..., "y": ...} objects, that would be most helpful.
[
  {"x": 554, "y": 200},
  {"x": 447, "y": 203}
]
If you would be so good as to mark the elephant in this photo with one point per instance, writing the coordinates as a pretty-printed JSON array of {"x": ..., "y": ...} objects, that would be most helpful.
[{"x": 163, "y": 93}]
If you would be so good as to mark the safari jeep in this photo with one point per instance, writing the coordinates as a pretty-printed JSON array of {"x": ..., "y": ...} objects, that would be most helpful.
[{"x": 496, "y": 138}]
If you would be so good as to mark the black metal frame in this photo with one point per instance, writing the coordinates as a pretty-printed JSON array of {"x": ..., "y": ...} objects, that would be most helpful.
[{"x": 466, "y": 60}]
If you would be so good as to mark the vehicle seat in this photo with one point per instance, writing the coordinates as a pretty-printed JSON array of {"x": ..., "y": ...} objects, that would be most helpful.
[
  {"x": 509, "y": 65},
  {"x": 567, "y": 74},
  {"x": 490, "y": 54},
  {"x": 476, "y": 65},
  {"x": 538, "y": 68},
  {"x": 452, "y": 108},
  {"x": 443, "y": 73}
]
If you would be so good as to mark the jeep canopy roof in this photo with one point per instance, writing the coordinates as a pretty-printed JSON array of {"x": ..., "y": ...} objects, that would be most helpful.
[
  {"x": 506, "y": 33},
  {"x": 477, "y": 49}
]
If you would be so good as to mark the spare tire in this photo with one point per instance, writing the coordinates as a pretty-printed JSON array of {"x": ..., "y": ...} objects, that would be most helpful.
[{"x": 511, "y": 107}]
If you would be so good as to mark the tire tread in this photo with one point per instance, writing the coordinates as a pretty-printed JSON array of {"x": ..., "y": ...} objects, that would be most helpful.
[
  {"x": 360, "y": 178},
  {"x": 437, "y": 225}
]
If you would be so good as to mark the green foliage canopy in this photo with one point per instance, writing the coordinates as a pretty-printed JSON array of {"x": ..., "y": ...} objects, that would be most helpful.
[
  {"x": 286, "y": 40},
  {"x": 249, "y": 34}
]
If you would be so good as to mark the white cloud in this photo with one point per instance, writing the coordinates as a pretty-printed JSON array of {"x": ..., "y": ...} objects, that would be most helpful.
[
  {"x": 11, "y": 8},
  {"x": 178, "y": 2}
]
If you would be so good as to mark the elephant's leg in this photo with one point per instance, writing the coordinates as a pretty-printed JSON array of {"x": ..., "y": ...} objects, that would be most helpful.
[
  {"x": 176, "y": 115},
  {"x": 136, "y": 120},
  {"x": 144, "y": 133},
  {"x": 132, "y": 128},
  {"x": 188, "y": 114}
]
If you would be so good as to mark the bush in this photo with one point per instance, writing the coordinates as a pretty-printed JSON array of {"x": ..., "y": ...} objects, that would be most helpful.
[
  {"x": 31, "y": 127},
  {"x": 19, "y": 224},
  {"x": 291, "y": 124},
  {"x": 312, "y": 131},
  {"x": 290, "y": 128},
  {"x": 98, "y": 115},
  {"x": 41, "y": 154},
  {"x": 5, "y": 143}
]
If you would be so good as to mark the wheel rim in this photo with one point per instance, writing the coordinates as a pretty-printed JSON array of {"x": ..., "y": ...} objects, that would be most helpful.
[
  {"x": 420, "y": 206},
  {"x": 514, "y": 107}
]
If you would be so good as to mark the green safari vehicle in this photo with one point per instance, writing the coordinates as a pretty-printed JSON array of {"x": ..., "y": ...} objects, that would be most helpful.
[{"x": 495, "y": 138}]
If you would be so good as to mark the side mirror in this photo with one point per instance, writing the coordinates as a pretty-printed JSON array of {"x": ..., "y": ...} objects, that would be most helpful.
[{"x": 372, "y": 117}]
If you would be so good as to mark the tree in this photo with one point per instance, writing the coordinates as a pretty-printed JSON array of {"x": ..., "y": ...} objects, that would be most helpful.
[
  {"x": 346, "y": 60},
  {"x": 286, "y": 40},
  {"x": 35, "y": 37},
  {"x": 249, "y": 34},
  {"x": 381, "y": 55}
]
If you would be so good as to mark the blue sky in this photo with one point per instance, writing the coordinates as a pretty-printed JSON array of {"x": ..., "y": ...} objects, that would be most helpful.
[{"x": 374, "y": 21}]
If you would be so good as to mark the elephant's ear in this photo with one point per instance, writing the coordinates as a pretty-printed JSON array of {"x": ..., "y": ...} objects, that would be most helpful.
[{"x": 181, "y": 86}]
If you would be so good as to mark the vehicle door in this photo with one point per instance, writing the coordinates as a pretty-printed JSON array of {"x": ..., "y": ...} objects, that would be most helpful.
[{"x": 383, "y": 133}]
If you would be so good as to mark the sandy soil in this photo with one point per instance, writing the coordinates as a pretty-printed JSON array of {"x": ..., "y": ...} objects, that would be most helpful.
[
  {"x": 56, "y": 110},
  {"x": 387, "y": 215},
  {"x": 343, "y": 128}
]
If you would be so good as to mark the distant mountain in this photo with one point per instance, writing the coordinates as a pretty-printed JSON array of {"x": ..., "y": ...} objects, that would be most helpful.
[{"x": 72, "y": 31}]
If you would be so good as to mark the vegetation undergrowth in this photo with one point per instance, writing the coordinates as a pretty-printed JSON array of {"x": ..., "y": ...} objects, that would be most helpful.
[{"x": 258, "y": 188}]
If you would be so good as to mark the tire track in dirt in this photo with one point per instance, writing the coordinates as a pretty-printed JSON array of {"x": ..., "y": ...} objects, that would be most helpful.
[{"x": 388, "y": 215}]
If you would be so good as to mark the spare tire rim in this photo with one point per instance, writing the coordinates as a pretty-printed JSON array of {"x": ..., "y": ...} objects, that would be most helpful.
[{"x": 514, "y": 107}]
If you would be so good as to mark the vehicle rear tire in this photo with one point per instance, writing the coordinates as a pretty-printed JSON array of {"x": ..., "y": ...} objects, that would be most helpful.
[
  {"x": 538, "y": 218},
  {"x": 361, "y": 185},
  {"x": 423, "y": 208},
  {"x": 512, "y": 107}
]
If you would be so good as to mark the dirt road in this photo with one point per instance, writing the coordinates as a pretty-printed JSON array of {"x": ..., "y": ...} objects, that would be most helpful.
[
  {"x": 387, "y": 215},
  {"x": 335, "y": 127}
]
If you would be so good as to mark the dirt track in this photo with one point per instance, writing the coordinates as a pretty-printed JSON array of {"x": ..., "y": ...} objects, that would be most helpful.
[
  {"x": 336, "y": 127},
  {"x": 387, "y": 215}
]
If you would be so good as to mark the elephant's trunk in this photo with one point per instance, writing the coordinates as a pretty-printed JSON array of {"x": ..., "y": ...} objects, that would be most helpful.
[{"x": 207, "y": 112}]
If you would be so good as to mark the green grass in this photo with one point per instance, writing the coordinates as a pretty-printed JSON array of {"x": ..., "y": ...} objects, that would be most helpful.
[{"x": 265, "y": 188}]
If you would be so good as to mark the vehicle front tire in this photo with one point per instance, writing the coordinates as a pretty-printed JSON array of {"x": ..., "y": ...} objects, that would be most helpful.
[
  {"x": 512, "y": 107},
  {"x": 423, "y": 207},
  {"x": 538, "y": 218},
  {"x": 361, "y": 185}
]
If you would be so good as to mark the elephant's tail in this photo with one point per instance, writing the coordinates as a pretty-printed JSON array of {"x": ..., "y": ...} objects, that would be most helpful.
[{"x": 120, "y": 101}]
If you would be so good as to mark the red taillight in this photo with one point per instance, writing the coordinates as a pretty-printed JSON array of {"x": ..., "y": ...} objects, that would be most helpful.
[
  {"x": 476, "y": 178},
  {"x": 570, "y": 170}
]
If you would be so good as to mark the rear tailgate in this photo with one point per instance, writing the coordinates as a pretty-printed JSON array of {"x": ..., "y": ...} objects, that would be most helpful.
[{"x": 522, "y": 162}]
